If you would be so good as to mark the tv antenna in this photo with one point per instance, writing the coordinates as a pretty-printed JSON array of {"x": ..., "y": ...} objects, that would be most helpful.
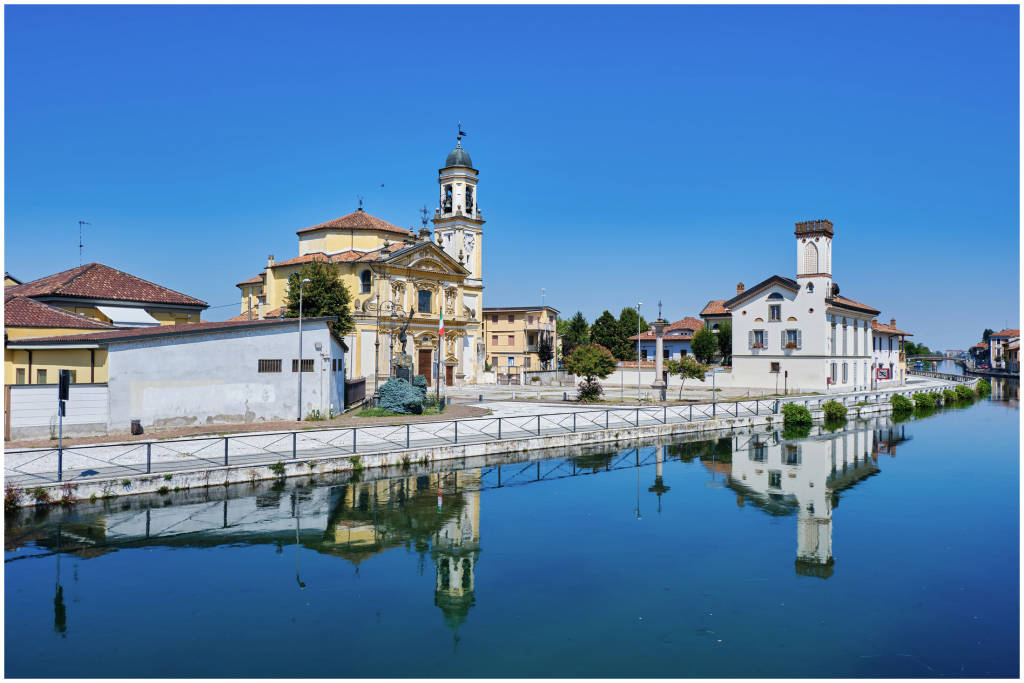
[{"x": 80, "y": 244}]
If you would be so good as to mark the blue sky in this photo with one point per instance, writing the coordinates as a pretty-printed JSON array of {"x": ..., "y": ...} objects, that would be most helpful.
[{"x": 625, "y": 153}]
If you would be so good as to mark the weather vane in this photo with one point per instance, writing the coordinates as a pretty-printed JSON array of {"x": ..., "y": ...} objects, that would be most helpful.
[
  {"x": 423, "y": 215},
  {"x": 360, "y": 197},
  {"x": 461, "y": 134}
]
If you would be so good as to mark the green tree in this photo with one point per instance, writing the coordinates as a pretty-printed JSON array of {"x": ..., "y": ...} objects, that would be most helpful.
[
  {"x": 607, "y": 332},
  {"x": 591, "y": 362},
  {"x": 725, "y": 342},
  {"x": 575, "y": 332},
  {"x": 986, "y": 334},
  {"x": 687, "y": 368},
  {"x": 631, "y": 322},
  {"x": 704, "y": 345},
  {"x": 545, "y": 351},
  {"x": 324, "y": 295}
]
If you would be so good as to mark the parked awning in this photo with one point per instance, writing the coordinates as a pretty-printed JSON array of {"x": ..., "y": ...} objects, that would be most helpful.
[{"x": 128, "y": 317}]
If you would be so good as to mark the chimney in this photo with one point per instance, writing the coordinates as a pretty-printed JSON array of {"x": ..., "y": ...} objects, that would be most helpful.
[
  {"x": 739, "y": 288},
  {"x": 270, "y": 260},
  {"x": 892, "y": 322}
]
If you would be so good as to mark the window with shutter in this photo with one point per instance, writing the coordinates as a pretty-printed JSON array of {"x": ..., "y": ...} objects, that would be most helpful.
[{"x": 750, "y": 339}]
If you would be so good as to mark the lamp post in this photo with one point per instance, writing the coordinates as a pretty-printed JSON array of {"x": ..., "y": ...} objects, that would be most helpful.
[
  {"x": 638, "y": 305},
  {"x": 389, "y": 306},
  {"x": 299, "y": 409}
]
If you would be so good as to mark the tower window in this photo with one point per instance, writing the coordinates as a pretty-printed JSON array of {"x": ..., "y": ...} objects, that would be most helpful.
[
  {"x": 364, "y": 282},
  {"x": 810, "y": 287},
  {"x": 810, "y": 258}
]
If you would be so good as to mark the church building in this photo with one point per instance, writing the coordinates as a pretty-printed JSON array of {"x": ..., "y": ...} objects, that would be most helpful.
[{"x": 399, "y": 278}]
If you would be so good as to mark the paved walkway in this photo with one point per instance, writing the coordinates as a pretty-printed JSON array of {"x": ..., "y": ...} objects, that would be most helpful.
[{"x": 509, "y": 420}]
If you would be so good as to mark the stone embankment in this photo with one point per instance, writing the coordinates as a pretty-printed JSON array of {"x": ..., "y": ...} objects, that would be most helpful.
[{"x": 339, "y": 460}]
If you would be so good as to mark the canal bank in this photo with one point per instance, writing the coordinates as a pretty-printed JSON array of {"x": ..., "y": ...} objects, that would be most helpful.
[{"x": 584, "y": 429}]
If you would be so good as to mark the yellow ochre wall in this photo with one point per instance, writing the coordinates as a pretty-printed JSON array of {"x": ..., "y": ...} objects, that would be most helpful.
[
  {"x": 53, "y": 360},
  {"x": 166, "y": 316}
]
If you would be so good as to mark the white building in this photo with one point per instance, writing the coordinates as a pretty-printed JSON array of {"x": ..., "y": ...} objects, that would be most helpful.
[
  {"x": 801, "y": 334},
  {"x": 888, "y": 362},
  {"x": 181, "y": 375}
]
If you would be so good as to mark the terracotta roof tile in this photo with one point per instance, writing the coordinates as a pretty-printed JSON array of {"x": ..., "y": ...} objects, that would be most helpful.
[
  {"x": 273, "y": 313},
  {"x": 887, "y": 329},
  {"x": 850, "y": 303},
  {"x": 357, "y": 220},
  {"x": 97, "y": 281},
  {"x": 161, "y": 331},
  {"x": 687, "y": 323},
  {"x": 21, "y": 311},
  {"x": 1006, "y": 333},
  {"x": 715, "y": 307},
  {"x": 255, "y": 280}
]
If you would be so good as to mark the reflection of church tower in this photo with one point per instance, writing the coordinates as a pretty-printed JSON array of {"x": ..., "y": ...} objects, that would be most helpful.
[
  {"x": 456, "y": 547},
  {"x": 814, "y": 536}
]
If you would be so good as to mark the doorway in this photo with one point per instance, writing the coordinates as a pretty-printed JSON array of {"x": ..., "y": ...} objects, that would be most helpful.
[
  {"x": 449, "y": 375},
  {"x": 424, "y": 364}
]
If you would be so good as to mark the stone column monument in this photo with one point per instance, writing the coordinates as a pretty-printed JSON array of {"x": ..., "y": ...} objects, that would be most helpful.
[{"x": 659, "y": 335}]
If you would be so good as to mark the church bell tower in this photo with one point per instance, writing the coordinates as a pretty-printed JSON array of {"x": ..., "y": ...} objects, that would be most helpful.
[{"x": 458, "y": 221}]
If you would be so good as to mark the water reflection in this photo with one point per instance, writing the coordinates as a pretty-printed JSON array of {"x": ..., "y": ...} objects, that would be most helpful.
[{"x": 436, "y": 514}]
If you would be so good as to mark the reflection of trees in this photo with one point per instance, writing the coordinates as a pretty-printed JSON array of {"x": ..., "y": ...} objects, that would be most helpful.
[
  {"x": 718, "y": 450},
  {"x": 594, "y": 462}
]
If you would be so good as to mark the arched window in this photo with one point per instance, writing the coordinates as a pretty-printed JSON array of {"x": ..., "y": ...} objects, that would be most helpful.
[
  {"x": 810, "y": 258},
  {"x": 810, "y": 287},
  {"x": 364, "y": 282},
  {"x": 774, "y": 296}
]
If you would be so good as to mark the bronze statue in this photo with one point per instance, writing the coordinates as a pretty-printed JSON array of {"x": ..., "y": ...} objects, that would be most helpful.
[{"x": 402, "y": 338}]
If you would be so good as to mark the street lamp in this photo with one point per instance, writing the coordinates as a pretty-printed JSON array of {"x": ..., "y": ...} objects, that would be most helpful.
[
  {"x": 299, "y": 409},
  {"x": 638, "y": 305},
  {"x": 390, "y": 307}
]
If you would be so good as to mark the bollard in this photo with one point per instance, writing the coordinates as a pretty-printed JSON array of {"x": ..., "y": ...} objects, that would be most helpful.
[
  {"x": 456, "y": 431},
  {"x": 499, "y": 427},
  {"x": 574, "y": 423},
  {"x": 406, "y": 436},
  {"x": 225, "y": 450},
  {"x": 355, "y": 437},
  {"x": 149, "y": 461},
  {"x": 538, "y": 426},
  {"x": 293, "y": 445},
  {"x": 637, "y": 417},
  {"x": 664, "y": 415},
  {"x": 565, "y": 395},
  {"x": 481, "y": 398}
]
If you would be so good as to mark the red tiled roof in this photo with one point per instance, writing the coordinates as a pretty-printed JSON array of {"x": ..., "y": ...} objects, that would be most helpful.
[
  {"x": 1006, "y": 333},
  {"x": 162, "y": 331},
  {"x": 97, "y": 281},
  {"x": 258, "y": 279},
  {"x": 850, "y": 303},
  {"x": 887, "y": 329},
  {"x": 357, "y": 220},
  {"x": 715, "y": 307},
  {"x": 980, "y": 345},
  {"x": 21, "y": 311},
  {"x": 273, "y": 313},
  {"x": 687, "y": 323}
]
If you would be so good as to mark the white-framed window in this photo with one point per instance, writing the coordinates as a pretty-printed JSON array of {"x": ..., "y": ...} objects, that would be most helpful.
[
  {"x": 834, "y": 367},
  {"x": 775, "y": 313},
  {"x": 791, "y": 339},
  {"x": 833, "y": 343},
  {"x": 791, "y": 454},
  {"x": 511, "y": 361},
  {"x": 846, "y": 372},
  {"x": 755, "y": 339},
  {"x": 844, "y": 336},
  {"x": 774, "y": 479}
]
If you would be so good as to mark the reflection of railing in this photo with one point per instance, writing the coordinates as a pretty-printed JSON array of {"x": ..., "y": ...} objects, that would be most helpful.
[
  {"x": 941, "y": 375},
  {"x": 47, "y": 465}
]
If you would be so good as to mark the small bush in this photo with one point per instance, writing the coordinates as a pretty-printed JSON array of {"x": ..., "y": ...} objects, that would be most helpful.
[
  {"x": 937, "y": 398},
  {"x": 901, "y": 404},
  {"x": 277, "y": 468},
  {"x": 12, "y": 496},
  {"x": 126, "y": 483},
  {"x": 406, "y": 463},
  {"x": 948, "y": 396},
  {"x": 41, "y": 495},
  {"x": 67, "y": 496},
  {"x": 163, "y": 490},
  {"x": 167, "y": 477},
  {"x": 834, "y": 410},
  {"x": 92, "y": 497},
  {"x": 535, "y": 378},
  {"x": 793, "y": 414},
  {"x": 924, "y": 400},
  {"x": 589, "y": 391},
  {"x": 964, "y": 393},
  {"x": 983, "y": 387},
  {"x": 357, "y": 463}
]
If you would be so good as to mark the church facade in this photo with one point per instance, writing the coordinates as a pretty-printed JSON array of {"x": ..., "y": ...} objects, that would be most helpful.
[{"x": 400, "y": 279}]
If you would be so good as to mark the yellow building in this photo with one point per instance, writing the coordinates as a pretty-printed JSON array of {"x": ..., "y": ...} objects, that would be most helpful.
[
  {"x": 513, "y": 336},
  {"x": 402, "y": 271},
  {"x": 89, "y": 298}
]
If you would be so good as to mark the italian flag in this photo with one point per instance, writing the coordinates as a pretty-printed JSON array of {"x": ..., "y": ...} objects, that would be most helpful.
[{"x": 440, "y": 327}]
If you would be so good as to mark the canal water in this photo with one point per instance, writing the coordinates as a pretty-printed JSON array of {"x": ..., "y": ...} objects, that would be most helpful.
[{"x": 881, "y": 548}]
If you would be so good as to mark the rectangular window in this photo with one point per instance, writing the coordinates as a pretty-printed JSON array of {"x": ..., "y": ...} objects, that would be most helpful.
[
  {"x": 511, "y": 318},
  {"x": 494, "y": 340},
  {"x": 833, "y": 373},
  {"x": 40, "y": 376},
  {"x": 776, "y": 367},
  {"x": 643, "y": 354},
  {"x": 792, "y": 339},
  {"x": 307, "y": 365},
  {"x": 758, "y": 339},
  {"x": 424, "y": 301},
  {"x": 844, "y": 336},
  {"x": 856, "y": 336},
  {"x": 526, "y": 362},
  {"x": 846, "y": 373},
  {"x": 791, "y": 455},
  {"x": 511, "y": 340},
  {"x": 890, "y": 344},
  {"x": 529, "y": 319},
  {"x": 511, "y": 361},
  {"x": 531, "y": 340},
  {"x": 19, "y": 376},
  {"x": 494, "y": 361},
  {"x": 494, "y": 318},
  {"x": 758, "y": 452},
  {"x": 774, "y": 479},
  {"x": 775, "y": 312},
  {"x": 268, "y": 365},
  {"x": 833, "y": 341},
  {"x": 666, "y": 354}
]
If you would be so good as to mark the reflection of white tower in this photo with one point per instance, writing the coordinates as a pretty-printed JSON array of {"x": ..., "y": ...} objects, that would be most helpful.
[{"x": 455, "y": 549}]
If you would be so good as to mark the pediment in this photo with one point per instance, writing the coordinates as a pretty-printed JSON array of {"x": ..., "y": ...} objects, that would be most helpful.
[{"x": 427, "y": 256}]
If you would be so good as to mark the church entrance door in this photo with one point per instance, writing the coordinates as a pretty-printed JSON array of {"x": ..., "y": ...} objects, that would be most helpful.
[
  {"x": 424, "y": 364},
  {"x": 449, "y": 375}
]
